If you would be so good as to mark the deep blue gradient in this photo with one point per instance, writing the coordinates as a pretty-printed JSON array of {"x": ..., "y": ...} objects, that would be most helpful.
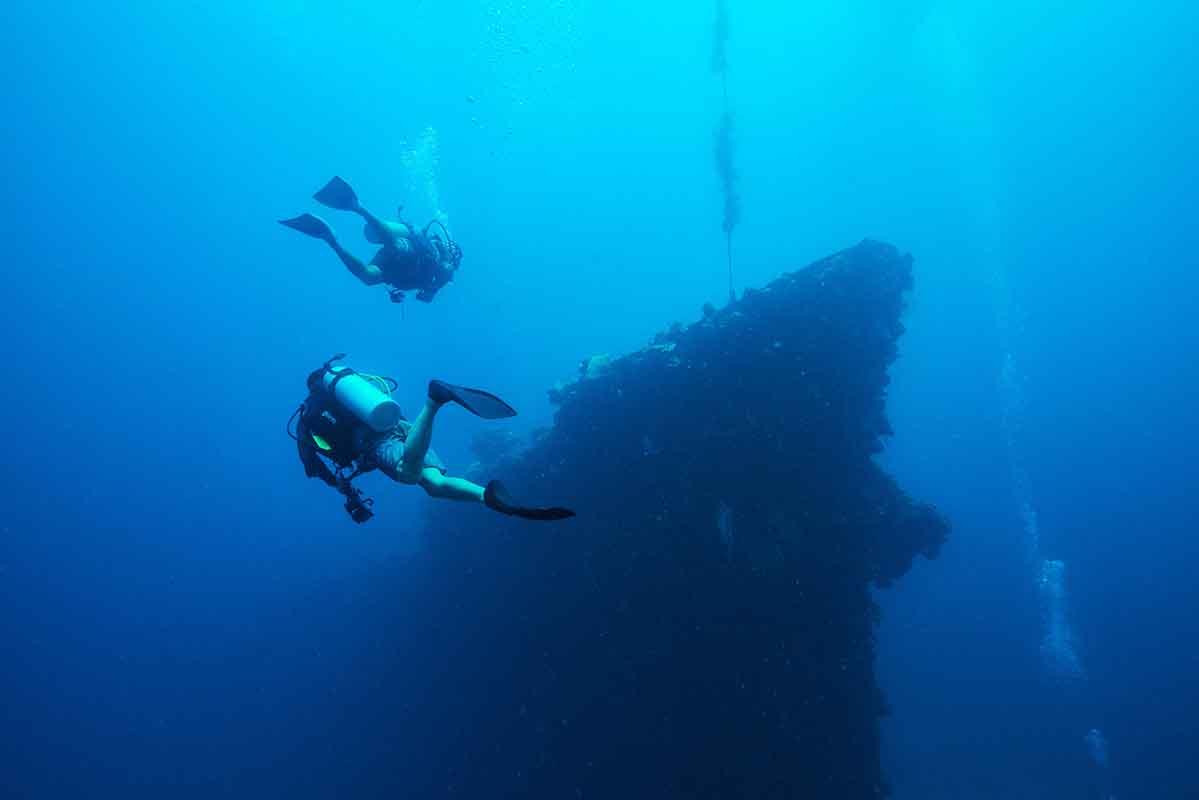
[{"x": 165, "y": 570}]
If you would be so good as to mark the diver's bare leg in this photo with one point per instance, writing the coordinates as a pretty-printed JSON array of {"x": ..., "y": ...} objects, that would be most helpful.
[
  {"x": 367, "y": 273},
  {"x": 448, "y": 488},
  {"x": 387, "y": 235},
  {"x": 420, "y": 436}
]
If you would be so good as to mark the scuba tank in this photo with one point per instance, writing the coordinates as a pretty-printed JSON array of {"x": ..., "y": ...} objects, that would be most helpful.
[{"x": 362, "y": 398}]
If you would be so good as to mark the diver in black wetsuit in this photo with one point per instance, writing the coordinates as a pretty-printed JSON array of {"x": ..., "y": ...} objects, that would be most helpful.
[{"x": 408, "y": 259}]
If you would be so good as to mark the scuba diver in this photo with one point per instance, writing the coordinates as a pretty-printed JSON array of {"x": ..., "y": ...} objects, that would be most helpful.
[
  {"x": 350, "y": 421},
  {"x": 407, "y": 258}
]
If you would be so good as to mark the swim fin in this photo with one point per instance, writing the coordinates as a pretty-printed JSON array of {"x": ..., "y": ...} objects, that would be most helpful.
[
  {"x": 476, "y": 401},
  {"x": 311, "y": 225},
  {"x": 337, "y": 194},
  {"x": 497, "y": 499}
]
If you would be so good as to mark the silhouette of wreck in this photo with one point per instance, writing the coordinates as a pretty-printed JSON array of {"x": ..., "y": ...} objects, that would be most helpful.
[{"x": 705, "y": 626}]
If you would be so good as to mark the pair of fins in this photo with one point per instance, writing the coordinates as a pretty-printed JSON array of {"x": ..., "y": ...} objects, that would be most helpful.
[
  {"x": 335, "y": 194},
  {"x": 488, "y": 406}
]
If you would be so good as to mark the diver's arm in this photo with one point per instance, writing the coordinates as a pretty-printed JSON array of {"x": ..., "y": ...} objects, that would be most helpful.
[{"x": 440, "y": 279}]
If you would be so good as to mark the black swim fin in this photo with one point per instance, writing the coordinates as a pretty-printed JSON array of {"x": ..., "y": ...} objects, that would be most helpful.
[
  {"x": 311, "y": 225},
  {"x": 337, "y": 194},
  {"x": 497, "y": 499},
  {"x": 476, "y": 401}
]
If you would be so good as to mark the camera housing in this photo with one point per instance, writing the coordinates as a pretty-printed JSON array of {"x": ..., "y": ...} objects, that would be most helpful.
[{"x": 358, "y": 507}]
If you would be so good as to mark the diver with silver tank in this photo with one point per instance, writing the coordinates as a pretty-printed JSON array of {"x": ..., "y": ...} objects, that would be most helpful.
[
  {"x": 349, "y": 424},
  {"x": 407, "y": 259}
]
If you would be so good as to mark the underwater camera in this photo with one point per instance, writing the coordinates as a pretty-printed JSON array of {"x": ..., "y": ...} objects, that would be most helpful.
[{"x": 358, "y": 507}]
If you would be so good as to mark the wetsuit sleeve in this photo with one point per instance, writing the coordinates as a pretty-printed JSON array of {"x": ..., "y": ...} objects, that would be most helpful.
[{"x": 440, "y": 278}]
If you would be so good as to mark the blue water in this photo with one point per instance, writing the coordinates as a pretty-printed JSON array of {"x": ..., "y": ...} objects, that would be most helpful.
[{"x": 161, "y": 553}]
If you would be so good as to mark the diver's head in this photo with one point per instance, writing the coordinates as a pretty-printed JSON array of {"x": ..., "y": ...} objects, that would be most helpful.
[
  {"x": 449, "y": 254},
  {"x": 452, "y": 255}
]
